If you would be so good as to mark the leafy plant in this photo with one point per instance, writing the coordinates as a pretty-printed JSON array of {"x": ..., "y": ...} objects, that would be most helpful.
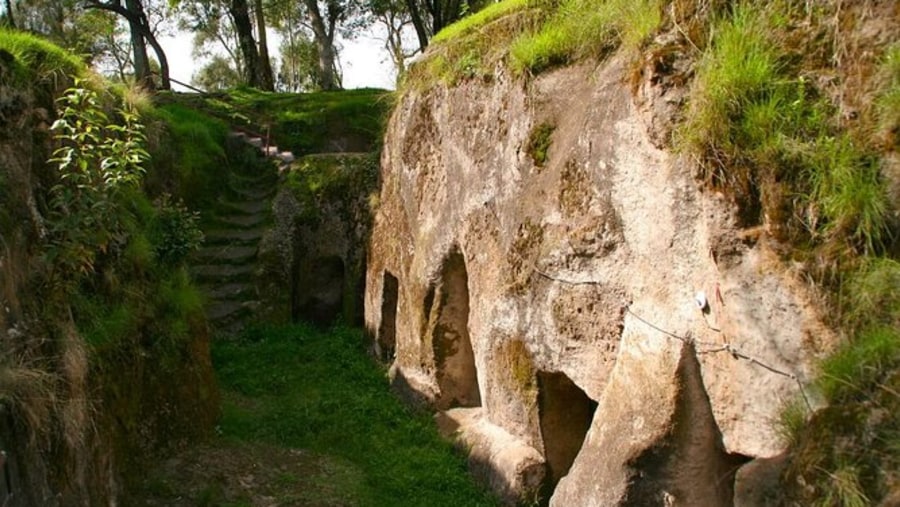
[
  {"x": 97, "y": 161},
  {"x": 175, "y": 231}
]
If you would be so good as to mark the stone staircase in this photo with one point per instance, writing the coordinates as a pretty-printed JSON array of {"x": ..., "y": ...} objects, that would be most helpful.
[{"x": 226, "y": 267}]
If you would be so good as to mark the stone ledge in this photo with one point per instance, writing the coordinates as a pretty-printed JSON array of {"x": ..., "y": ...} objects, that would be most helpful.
[{"x": 507, "y": 465}]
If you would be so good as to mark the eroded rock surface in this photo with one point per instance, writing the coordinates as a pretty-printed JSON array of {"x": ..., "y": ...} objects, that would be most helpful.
[{"x": 538, "y": 296}]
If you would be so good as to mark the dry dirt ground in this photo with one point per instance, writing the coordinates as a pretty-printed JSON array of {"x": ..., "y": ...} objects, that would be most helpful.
[{"x": 224, "y": 473}]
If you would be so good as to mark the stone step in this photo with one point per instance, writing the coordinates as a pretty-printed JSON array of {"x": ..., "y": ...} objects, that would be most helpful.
[
  {"x": 222, "y": 273},
  {"x": 255, "y": 194},
  {"x": 227, "y": 254},
  {"x": 229, "y": 310},
  {"x": 229, "y": 291},
  {"x": 246, "y": 207},
  {"x": 242, "y": 221},
  {"x": 233, "y": 236}
]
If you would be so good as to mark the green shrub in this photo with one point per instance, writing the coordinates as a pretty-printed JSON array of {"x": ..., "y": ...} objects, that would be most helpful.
[
  {"x": 175, "y": 231},
  {"x": 99, "y": 161}
]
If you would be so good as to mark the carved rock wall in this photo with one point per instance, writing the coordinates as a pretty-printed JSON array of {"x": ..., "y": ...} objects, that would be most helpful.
[{"x": 580, "y": 284}]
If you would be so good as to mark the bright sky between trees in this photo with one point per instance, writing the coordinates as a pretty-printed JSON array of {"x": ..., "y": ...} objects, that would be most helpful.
[{"x": 364, "y": 60}]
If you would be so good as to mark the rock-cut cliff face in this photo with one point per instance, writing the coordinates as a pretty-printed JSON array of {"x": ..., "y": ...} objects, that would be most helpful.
[{"x": 595, "y": 327}]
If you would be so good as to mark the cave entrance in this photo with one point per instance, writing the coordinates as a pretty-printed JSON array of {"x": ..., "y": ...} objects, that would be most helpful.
[
  {"x": 387, "y": 331},
  {"x": 565, "y": 413},
  {"x": 453, "y": 355},
  {"x": 322, "y": 300}
]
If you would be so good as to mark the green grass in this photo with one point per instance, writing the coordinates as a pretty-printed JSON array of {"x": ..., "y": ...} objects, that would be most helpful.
[
  {"x": 888, "y": 103},
  {"x": 759, "y": 131},
  {"x": 857, "y": 367},
  {"x": 305, "y": 123},
  {"x": 189, "y": 154},
  {"x": 303, "y": 388},
  {"x": 539, "y": 143},
  {"x": 39, "y": 59},
  {"x": 585, "y": 28},
  {"x": 481, "y": 18}
]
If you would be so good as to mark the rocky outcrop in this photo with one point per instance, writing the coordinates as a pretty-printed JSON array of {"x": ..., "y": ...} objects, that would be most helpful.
[
  {"x": 313, "y": 257},
  {"x": 598, "y": 308}
]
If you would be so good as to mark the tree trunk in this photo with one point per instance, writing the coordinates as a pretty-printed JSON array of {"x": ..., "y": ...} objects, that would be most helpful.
[
  {"x": 244, "y": 28},
  {"x": 133, "y": 12},
  {"x": 142, "y": 73},
  {"x": 419, "y": 25},
  {"x": 165, "y": 83},
  {"x": 10, "y": 19},
  {"x": 324, "y": 36},
  {"x": 266, "y": 75}
]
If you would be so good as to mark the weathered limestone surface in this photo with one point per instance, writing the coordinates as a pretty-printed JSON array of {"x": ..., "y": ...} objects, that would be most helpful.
[{"x": 559, "y": 301}]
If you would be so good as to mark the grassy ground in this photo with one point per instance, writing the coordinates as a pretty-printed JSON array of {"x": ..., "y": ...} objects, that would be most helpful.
[{"x": 308, "y": 420}]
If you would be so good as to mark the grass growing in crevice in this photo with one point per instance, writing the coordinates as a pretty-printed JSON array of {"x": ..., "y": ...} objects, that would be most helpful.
[
  {"x": 299, "y": 387},
  {"x": 539, "y": 142}
]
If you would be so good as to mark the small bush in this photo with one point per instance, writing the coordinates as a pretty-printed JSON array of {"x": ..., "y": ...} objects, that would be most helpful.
[{"x": 175, "y": 231}]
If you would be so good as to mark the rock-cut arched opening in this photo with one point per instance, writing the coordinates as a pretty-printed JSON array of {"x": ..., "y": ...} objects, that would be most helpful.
[
  {"x": 387, "y": 330},
  {"x": 454, "y": 358},
  {"x": 565, "y": 413}
]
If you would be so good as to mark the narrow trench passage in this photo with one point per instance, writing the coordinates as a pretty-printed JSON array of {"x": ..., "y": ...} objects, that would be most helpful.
[{"x": 307, "y": 416}]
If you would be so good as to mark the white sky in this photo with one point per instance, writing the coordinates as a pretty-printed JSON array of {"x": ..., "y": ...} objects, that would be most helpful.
[{"x": 364, "y": 60}]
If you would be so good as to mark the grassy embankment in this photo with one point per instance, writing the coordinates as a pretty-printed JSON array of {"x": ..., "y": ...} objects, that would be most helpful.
[{"x": 793, "y": 110}]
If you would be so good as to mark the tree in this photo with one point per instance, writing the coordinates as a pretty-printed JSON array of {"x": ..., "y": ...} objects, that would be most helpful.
[
  {"x": 9, "y": 18},
  {"x": 253, "y": 66},
  {"x": 299, "y": 64},
  {"x": 213, "y": 29},
  {"x": 322, "y": 19},
  {"x": 265, "y": 64},
  {"x": 141, "y": 34},
  {"x": 394, "y": 16},
  {"x": 218, "y": 74}
]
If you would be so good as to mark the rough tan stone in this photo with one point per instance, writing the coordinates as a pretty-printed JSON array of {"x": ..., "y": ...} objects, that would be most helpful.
[{"x": 583, "y": 273}]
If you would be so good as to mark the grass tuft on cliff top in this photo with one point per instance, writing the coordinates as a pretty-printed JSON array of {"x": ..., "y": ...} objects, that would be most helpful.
[{"x": 37, "y": 58}]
